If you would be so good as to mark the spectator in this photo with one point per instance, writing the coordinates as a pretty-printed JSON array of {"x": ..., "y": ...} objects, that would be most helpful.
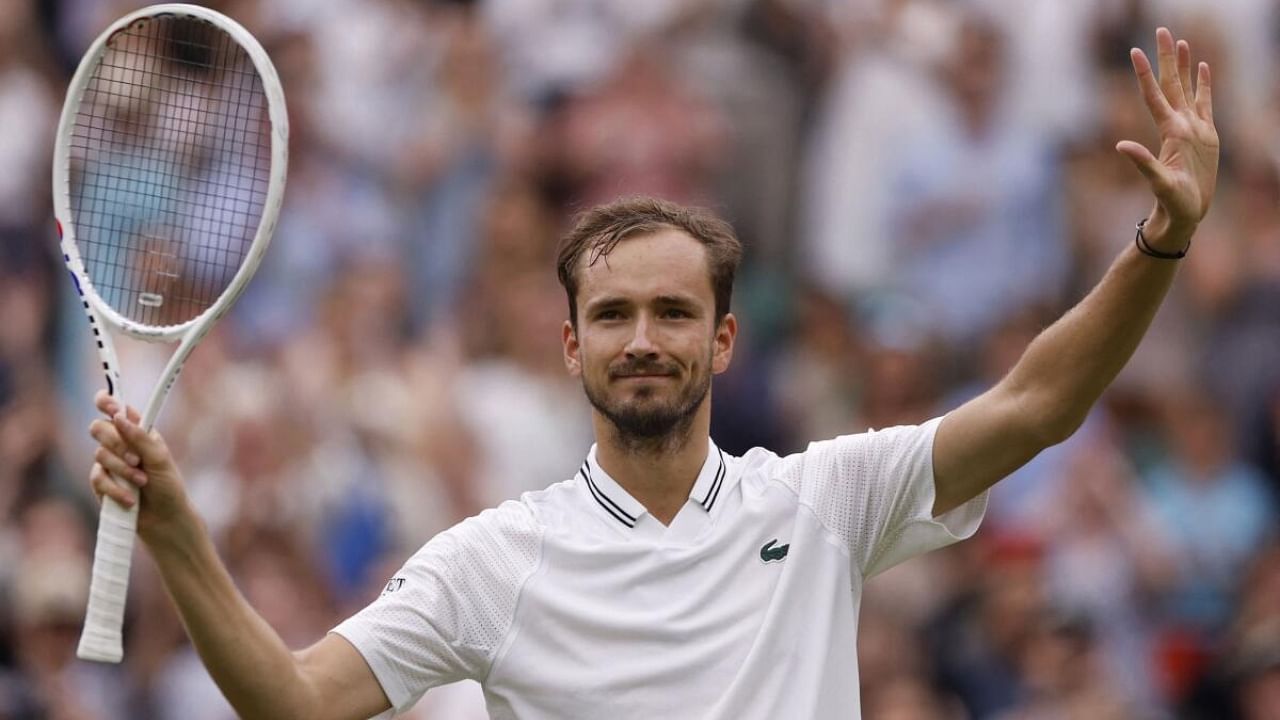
[{"x": 1216, "y": 509}]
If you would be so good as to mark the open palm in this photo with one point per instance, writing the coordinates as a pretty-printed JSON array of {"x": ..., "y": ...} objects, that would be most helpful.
[{"x": 1183, "y": 176}]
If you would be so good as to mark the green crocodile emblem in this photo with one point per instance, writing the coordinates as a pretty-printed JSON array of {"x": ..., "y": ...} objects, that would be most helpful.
[{"x": 769, "y": 553}]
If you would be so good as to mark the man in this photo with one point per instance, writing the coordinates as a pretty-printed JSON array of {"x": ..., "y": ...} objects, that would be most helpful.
[{"x": 668, "y": 579}]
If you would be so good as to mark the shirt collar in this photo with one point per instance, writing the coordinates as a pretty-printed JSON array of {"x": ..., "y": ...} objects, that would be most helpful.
[{"x": 625, "y": 509}]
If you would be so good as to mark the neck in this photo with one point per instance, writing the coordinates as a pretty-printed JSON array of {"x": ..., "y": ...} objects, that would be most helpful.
[{"x": 659, "y": 473}]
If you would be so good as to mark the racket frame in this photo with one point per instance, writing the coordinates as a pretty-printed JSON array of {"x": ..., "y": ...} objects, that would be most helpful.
[{"x": 102, "y": 639}]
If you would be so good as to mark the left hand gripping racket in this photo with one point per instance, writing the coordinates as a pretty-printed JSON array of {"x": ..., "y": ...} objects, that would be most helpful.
[{"x": 168, "y": 173}]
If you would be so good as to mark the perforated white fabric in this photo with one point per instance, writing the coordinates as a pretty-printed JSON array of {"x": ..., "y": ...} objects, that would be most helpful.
[{"x": 442, "y": 617}]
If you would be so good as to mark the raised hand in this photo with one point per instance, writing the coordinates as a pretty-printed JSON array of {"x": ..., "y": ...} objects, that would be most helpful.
[
  {"x": 143, "y": 461},
  {"x": 1185, "y": 173}
]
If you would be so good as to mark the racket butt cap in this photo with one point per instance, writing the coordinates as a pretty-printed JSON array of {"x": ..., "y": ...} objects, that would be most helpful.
[{"x": 100, "y": 647}]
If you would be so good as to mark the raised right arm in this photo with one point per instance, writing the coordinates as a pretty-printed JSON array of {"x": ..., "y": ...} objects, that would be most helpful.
[{"x": 257, "y": 673}]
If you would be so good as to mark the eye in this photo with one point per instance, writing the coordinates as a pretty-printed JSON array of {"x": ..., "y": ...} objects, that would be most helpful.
[
  {"x": 676, "y": 314},
  {"x": 609, "y": 315}
]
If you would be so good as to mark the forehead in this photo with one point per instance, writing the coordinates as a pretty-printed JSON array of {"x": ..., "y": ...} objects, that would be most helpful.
[{"x": 664, "y": 263}]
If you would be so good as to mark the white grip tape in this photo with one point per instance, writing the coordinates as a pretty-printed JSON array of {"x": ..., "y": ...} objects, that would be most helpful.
[{"x": 101, "y": 640}]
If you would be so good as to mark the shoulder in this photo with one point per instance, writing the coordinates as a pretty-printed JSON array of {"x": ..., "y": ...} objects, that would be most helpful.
[
  {"x": 503, "y": 535},
  {"x": 869, "y": 452},
  {"x": 548, "y": 507}
]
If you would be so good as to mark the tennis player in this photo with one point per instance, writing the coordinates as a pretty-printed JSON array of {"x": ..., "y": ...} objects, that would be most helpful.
[{"x": 668, "y": 578}]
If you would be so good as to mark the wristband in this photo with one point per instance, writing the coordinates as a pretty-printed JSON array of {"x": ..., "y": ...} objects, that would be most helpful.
[{"x": 1141, "y": 241}]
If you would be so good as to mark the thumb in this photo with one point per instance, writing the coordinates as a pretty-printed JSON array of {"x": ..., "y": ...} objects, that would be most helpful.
[{"x": 1146, "y": 163}]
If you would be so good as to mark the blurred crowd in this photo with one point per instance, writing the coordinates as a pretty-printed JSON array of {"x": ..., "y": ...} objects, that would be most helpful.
[{"x": 921, "y": 185}]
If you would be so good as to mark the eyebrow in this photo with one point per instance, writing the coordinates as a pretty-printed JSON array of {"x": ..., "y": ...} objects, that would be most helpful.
[
  {"x": 616, "y": 301},
  {"x": 606, "y": 303}
]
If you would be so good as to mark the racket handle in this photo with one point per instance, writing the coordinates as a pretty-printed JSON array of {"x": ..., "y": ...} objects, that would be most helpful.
[{"x": 102, "y": 639}]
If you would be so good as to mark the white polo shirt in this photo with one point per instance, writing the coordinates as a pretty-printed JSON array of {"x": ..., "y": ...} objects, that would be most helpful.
[{"x": 574, "y": 602}]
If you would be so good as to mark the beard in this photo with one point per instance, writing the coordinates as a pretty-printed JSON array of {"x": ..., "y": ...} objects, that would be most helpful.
[{"x": 646, "y": 424}]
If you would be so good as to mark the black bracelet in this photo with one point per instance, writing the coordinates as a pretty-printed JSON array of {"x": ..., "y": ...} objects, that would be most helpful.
[{"x": 1141, "y": 241}]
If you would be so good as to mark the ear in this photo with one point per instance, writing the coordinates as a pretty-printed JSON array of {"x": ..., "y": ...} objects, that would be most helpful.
[
  {"x": 722, "y": 352},
  {"x": 569, "y": 338}
]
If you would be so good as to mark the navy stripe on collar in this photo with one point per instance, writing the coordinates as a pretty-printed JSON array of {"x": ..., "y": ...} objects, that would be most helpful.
[
  {"x": 714, "y": 492},
  {"x": 605, "y": 501}
]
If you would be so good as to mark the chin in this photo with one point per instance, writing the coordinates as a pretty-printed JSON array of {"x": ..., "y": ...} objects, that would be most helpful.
[{"x": 640, "y": 397}]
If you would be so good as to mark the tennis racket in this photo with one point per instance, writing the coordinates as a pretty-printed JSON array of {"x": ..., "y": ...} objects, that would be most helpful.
[{"x": 168, "y": 172}]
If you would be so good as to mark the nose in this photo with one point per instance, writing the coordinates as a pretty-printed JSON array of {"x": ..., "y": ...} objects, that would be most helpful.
[{"x": 641, "y": 343}]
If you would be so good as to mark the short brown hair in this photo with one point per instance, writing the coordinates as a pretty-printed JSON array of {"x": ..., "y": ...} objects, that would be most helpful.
[{"x": 598, "y": 231}]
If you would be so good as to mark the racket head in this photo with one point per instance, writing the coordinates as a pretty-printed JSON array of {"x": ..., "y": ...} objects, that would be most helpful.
[{"x": 169, "y": 168}]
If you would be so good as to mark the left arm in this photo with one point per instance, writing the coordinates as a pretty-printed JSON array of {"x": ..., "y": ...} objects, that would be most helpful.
[{"x": 1046, "y": 396}]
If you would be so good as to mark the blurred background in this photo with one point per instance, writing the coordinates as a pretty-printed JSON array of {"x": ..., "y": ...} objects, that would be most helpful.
[{"x": 921, "y": 185}]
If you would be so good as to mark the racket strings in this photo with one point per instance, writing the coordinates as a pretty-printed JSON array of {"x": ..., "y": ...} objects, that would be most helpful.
[{"x": 170, "y": 166}]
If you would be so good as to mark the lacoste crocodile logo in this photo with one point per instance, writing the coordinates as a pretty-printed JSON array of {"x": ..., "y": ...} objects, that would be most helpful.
[{"x": 769, "y": 553}]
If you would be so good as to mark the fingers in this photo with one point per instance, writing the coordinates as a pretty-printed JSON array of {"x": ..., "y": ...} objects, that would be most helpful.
[
  {"x": 125, "y": 453},
  {"x": 1204, "y": 94},
  {"x": 1184, "y": 69},
  {"x": 1173, "y": 90},
  {"x": 1166, "y": 56},
  {"x": 114, "y": 457},
  {"x": 149, "y": 446},
  {"x": 119, "y": 467},
  {"x": 1146, "y": 163},
  {"x": 1151, "y": 92},
  {"x": 104, "y": 486},
  {"x": 123, "y": 437},
  {"x": 109, "y": 406},
  {"x": 109, "y": 438}
]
